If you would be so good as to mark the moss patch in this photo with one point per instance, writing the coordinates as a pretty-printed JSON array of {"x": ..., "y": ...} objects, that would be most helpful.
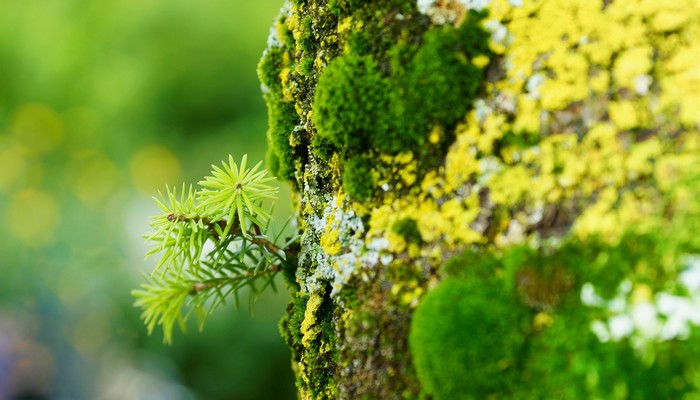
[
  {"x": 350, "y": 105},
  {"x": 362, "y": 106},
  {"x": 466, "y": 338}
]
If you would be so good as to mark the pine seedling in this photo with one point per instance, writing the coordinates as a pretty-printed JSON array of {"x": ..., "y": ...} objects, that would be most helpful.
[{"x": 212, "y": 243}]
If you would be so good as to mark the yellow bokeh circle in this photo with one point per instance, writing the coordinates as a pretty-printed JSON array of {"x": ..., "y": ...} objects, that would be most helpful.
[
  {"x": 152, "y": 167},
  {"x": 32, "y": 216}
]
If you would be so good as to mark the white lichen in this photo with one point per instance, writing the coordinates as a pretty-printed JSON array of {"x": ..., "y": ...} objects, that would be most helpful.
[
  {"x": 499, "y": 33},
  {"x": 356, "y": 252},
  {"x": 533, "y": 85},
  {"x": 449, "y": 11}
]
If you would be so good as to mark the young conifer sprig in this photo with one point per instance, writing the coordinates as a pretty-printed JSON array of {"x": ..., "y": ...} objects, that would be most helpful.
[
  {"x": 178, "y": 233},
  {"x": 212, "y": 243},
  {"x": 234, "y": 193}
]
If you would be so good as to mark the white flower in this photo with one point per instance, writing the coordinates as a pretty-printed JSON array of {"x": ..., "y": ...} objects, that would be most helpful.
[
  {"x": 386, "y": 259},
  {"x": 371, "y": 258},
  {"x": 378, "y": 244}
]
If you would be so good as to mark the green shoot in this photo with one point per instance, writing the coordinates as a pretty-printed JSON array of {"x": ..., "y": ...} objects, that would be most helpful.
[{"x": 212, "y": 243}]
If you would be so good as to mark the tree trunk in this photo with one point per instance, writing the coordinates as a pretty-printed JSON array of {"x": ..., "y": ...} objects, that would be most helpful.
[{"x": 497, "y": 199}]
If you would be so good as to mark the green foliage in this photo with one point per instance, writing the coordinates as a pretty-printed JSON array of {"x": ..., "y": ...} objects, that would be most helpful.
[
  {"x": 227, "y": 214},
  {"x": 465, "y": 339}
]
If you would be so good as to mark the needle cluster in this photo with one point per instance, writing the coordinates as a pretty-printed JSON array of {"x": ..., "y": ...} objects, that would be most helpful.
[{"x": 212, "y": 243}]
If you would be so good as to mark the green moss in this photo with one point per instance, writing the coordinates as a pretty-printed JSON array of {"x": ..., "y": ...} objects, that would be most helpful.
[
  {"x": 306, "y": 66},
  {"x": 269, "y": 67},
  {"x": 357, "y": 178},
  {"x": 562, "y": 359},
  {"x": 568, "y": 362},
  {"x": 290, "y": 325},
  {"x": 367, "y": 99},
  {"x": 317, "y": 378},
  {"x": 360, "y": 107},
  {"x": 307, "y": 40},
  {"x": 350, "y": 104},
  {"x": 473, "y": 39},
  {"x": 408, "y": 229},
  {"x": 440, "y": 80},
  {"x": 282, "y": 119},
  {"x": 465, "y": 338},
  {"x": 323, "y": 148}
]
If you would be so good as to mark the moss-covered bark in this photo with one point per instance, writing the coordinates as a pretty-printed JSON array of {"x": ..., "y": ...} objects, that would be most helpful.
[{"x": 521, "y": 175}]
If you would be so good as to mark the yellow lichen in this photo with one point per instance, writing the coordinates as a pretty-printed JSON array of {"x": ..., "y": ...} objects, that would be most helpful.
[
  {"x": 309, "y": 328},
  {"x": 329, "y": 241}
]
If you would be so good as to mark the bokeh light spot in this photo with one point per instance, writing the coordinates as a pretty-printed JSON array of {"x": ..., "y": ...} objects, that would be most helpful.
[
  {"x": 33, "y": 368},
  {"x": 93, "y": 177},
  {"x": 92, "y": 333},
  {"x": 83, "y": 127},
  {"x": 32, "y": 216},
  {"x": 12, "y": 164},
  {"x": 37, "y": 127},
  {"x": 152, "y": 167}
]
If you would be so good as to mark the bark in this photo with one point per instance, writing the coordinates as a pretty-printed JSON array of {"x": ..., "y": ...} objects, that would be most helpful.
[{"x": 495, "y": 197}]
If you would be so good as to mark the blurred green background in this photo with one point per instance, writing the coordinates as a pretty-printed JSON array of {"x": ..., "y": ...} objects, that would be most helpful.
[{"x": 101, "y": 105}]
